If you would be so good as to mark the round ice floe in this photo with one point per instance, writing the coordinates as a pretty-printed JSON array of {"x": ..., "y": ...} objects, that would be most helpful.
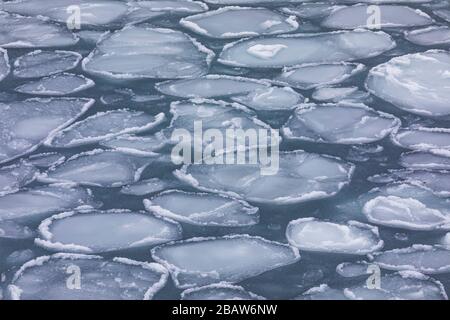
[
  {"x": 422, "y": 258},
  {"x": 30, "y": 32},
  {"x": 422, "y": 138},
  {"x": 210, "y": 86},
  {"x": 35, "y": 204},
  {"x": 406, "y": 206},
  {"x": 281, "y": 51},
  {"x": 4, "y": 64},
  {"x": 98, "y": 168},
  {"x": 144, "y": 187},
  {"x": 430, "y": 36},
  {"x": 315, "y": 75},
  {"x": 94, "y": 231},
  {"x": 15, "y": 176},
  {"x": 12, "y": 230},
  {"x": 333, "y": 94},
  {"x": 310, "y": 234},
  {"x": 45, "y": 63},
  {"x": 219, "y": 291},
  {"x": 86, "y": 277},
  {"x": 344, "y": 123},
  {"x": 203, "y": 261},
  {"x": 142, "y": 53},
  {"x": 239, "y": 22},
  {"x": 432, "y": 160},
  {"x": 296, "y": 177},
  {"x": 203, "y": 209},
  {"x": 24, "y": 125},
  {"x": 105, "y": 125},
  {"x": 57, "y": 85},
  {"x": 138, "y": 145},
  {"x": 364, "y": 16},
  {"x": 417, "y": 83}
]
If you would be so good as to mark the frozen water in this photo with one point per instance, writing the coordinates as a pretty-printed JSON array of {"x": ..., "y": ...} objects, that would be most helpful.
[
  {"x": 353, "y": 269},
  {"x": 219, "y": 291},
  {"x": 172, "y": 6},
  {"x": 436, "y": 181},
  {"x": 142, "y": 53},
  {"x": 417, "y": 83},
  {"x": 139, "y": 145},
  {"x": 343, "y": 123},
  {"x": 46, "y": 160},
  {"x": 30, "y": 32},
  {"x": 4, "y": 64},
  {"x": 301, "y": 177},
  {"x": 443, "y": 14},
  {"x": 144, "y": 187},
  {"x": 45, "y": 63},
  {"x": 435, "y": 160},
  {"x": 104, "y": 125},
  {"x": 311, "y": 10},
  {"x": 322, "y": 292},
  {"x": 422, "y": 138},
  {"x": 38, "y": 203},
  {"x": 315, "y": 75},
  {"x": 422, "y": 258},
  {"x": 238, "y": 22},
  {"x": 12, "y": 230},
  {"x": 202, "y": 209},
  {"x": 210, "y": 86},
  {"x": 15, "y": 176},
  {"x": 46, "y": 277},
  {"x": 244, "y": 2},
  {"x": 430, "y": 36},
  {"x": 202, "y": 261},
  {"x": 333, "y": 94},
  {"x": 19, "y": 257},
  {"x": 94, "y": 231},
  {"x": 406, "y": 206},
  {"x": 98, "y": 168},
  {"x": 310, "y": 234},
  {"x": 359, "y": 16},
  {"x": 24, "y": 125},
  {"x": 289, "y": 50},
  {"x": 57, "y": 85}
]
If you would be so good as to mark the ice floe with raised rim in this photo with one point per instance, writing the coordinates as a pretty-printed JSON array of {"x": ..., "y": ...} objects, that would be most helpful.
[
  {"x": 416, "y": 83},
  {"x": 362, "y": 16},
  {"x": 431, "y": 36},
  {"x": 322, "y": 292},
  {"x": 15, "y": 176},
  {"x": 311, "y": 234},
  {"x": 4, "y": 64},
  {"x": 11, "y": 230},
  {"x": 203, "y": 209},
  {"x": 56, "y": 85},
  {"x": 115, "y": 279},
  {"x": 239, "y": 22},
  {"x": 33, "y": 205},
  {"x": 95, "y": 231},
  {"x": 41, "y": 63},
  {"x": 297, "y": 49},
  {"x": 337, "y": 94},
  {"x": 354, "y": 269},
  {"x": 406, "y": 206},
  {"x": 172, "y": 6},
  {"x": 27, "y": 124},
  {"x": 436, "y": 181},
  {"x": 104, "y": 125},
  {"x": 148, "y": 186},
  {"x": 138, "y": 145},
  {"x": 342, "y": 123},
  {"x": 422, "y": 138},
  {"x": 30, "y": 32},
  {"x": 311, "y": 10},
  {"x": 219, "y": 291},
  {"x": 317, "y": 75},
  {"x": 301, "y": 177},
  {"x": 203, "y": 261},
  {"x": 432, "y": 160},
  {"x": 100, "y": 168},
  {"x": 148, "y": 53},
  {"x": 210, "y": 86}
]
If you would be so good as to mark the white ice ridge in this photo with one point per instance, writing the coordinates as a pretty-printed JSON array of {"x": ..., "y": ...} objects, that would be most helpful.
[
  {"x": 219, "y": 291},
  {"x": 423, "y": 138},
  {"x": 4, "y": 64},
  {"x": 16, "y": 176},
  {"x": 148, "y": 186},
  {"x": 147, "y": 145},
  {"x": 56, "y": 85},
  {"x": 431, "y": 36},
  {"x": 435, "y": 159}
]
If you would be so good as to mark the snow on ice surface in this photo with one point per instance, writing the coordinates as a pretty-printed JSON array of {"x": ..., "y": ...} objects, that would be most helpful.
[
  {"x": 359, "y": 16},
  {"x": 297, "y": 49},
  {"x": 143, "y": 53},
  {"x": 15, "y": 176},
  {"x": 353, "y": 269},
  {"x": 422, "y": 138},
  {"x": 90, "y": 231},
  {"x": 343, "y": 123},
  {"x": 46, "y": 160},
  {"x": 41, "y": 63},
  {"x": 139, "y": 145},
  {"x": 311, "y": 10},
  {"x": 430, "y": 36},
  {"x": 335, "y": 94},
  {"x": 104, "y": 125},
  {"x": 178, "y": 6},
  {"x": 316, "y": 75},
  {"x": 24, "y": 125},
  {"x": 149, "y": 186},
  {"x": 203, "y": 261},
  {"x": 98, "y": 168},
  {"x": 38, "y": 203},
  {"x": 203, "y": 209},
  {"x": 210, "y": 86},
  {"x": 436, "y": 181},
  {"x": 30, "y": 32},
  {"x": 4, "y": 64},
  {"x": 301, "y": 177},
  {"x": 435, "y": 160},
  {"x": 219, "y": 291},
  {"x": 118, "y": 279},
  {"x": 239, "y": 22},
  {"x": 417, "y": 83},
  {"x": 11, "y": 230},
  {"x": 57, "y": 85},
  {"x": 310, "y": 234}
]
